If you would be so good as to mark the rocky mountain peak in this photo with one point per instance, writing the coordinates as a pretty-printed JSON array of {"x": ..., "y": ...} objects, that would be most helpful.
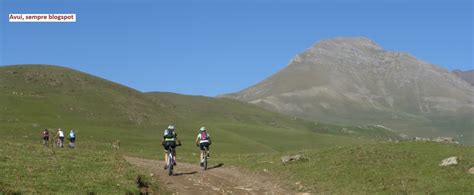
[
  {"x": 340, "y": 47},
  {"x": 346, "y": 44},
  {"x": 355, "y": 81},
  {"x": 355, "y": 42}
]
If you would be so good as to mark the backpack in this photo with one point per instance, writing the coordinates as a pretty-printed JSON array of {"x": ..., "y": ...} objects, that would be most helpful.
[
  {"x": 61, "y": 133},
  {"x": 204, "y": 136},
  {"x": 169, "y": 133}
]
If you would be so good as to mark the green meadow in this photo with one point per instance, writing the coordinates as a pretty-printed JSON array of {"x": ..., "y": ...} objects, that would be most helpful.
[{"x": 340, "y": 159}]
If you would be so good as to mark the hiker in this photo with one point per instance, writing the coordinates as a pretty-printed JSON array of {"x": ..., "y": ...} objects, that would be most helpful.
[
  {"x": 45, "y": 136},
  {"x": 72, "y": 139}
]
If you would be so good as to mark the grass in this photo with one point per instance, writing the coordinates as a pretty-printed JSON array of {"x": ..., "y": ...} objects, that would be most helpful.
[
  {"x": 45, "y": 96},
  {"x": 92, "y": 167},
  {"x": 406, "y": 167},
  {"x": 101, "y": 112}
]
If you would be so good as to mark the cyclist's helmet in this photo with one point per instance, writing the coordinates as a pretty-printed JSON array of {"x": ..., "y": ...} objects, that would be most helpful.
[
  {"x": 171, "y": 127},
  {"x": 203, "y": 129}
]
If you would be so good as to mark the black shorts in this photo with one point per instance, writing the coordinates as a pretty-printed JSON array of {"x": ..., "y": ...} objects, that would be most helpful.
[
  {"x": 204, "y": 145},
  {"x": 46, "y": 138},
  {"x": 167, "y": 145},
  {"x": 72, "y": 139}
]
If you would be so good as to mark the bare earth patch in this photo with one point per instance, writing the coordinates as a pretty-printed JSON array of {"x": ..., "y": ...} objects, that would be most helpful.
[{"x": 191, "y": 179}]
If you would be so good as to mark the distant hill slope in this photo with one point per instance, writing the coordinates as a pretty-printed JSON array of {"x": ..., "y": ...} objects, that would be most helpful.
[
  {"x": 42, "y": 96},
  {"x": 228, "y": 112},
  {"x": 354, "y": 81},
  {"x": 41, "y": 93},
  {"x": 465, "y": 75}
]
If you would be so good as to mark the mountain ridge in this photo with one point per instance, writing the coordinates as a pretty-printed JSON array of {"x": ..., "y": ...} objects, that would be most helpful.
[
  {"x": 355, "y": 81},
  {"x": 467, "y": 75}
]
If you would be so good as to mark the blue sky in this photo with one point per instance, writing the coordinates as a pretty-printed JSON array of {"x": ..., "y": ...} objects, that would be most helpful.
[{"x": 211, "y": 47}]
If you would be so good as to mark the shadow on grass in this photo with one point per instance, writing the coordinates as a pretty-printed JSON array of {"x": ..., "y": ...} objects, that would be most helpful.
[
  {"x": 185, "y": 173},
  {"x": 215, "y": 166}
]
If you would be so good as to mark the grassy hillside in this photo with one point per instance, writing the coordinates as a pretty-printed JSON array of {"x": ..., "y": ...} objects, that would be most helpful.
[
  {"x": 57, "y": 95},
  {"x": 406, "y": 167},
  {"x": 93, "y": 167},
  {"x": 209, "y": 111},
  {"x": 34, "y": 97}
]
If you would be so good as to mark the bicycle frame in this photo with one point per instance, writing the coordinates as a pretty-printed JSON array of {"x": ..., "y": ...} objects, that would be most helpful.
[
  {"x": 170, "y": 162},
  {"x": 59, "y": 142},
  {"x": 204, "y": 158}
]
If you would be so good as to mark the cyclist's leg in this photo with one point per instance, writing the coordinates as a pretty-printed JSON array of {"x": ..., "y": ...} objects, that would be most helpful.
[
  {"x": 208, "y": 150},
  {"x": 165, "y": 146},
  {"x": 73, "y": 142},
  {"x": 201, "y": 147},
  {"x": 174, "y": 152},
  {"x": 202, "y": 154},
  {"x": 166, "y": 160},
  {"x": 201, "y": 159}
]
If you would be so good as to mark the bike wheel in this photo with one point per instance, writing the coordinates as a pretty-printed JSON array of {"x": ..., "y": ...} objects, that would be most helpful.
[
  {"x": 170, "y": 169},
  {"x": 204, "y": 164},
  {"x": 170, "y": 165}
]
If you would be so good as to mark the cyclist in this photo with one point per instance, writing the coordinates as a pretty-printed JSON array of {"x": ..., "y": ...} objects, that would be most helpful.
[
  {"x": 60, "y": 136},
  {"x": 203, "y": 141},
  {"x": 170, "y": 137},
  {"x": 72, "y": 139},
  {"x": 45, "y": 135}
]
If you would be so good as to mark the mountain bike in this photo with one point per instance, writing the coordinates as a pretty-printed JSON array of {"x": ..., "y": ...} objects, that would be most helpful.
[
  {"x": 45, "y": 141},
  {"x": 72, "y": 142},
  {"x": 170, "y": 163},
  {"x": 205, "y": 157},
  {"x": 204, "y": 149},
  {"x": 60, "y": 142}
]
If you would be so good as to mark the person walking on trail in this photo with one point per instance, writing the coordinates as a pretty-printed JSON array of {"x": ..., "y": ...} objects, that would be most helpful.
[
  {"x": 203, "y": 141},
  {"x": 60, "y": 136},
  {"x": 170, "y": 138},
  {"x": 72, "y": 139},
  {"x": 45, "y": 136}
]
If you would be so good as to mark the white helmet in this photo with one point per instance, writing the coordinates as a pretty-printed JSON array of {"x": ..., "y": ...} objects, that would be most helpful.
[
  {"x": 171, "y": 127},
  {"x": 203, "y": 129}
]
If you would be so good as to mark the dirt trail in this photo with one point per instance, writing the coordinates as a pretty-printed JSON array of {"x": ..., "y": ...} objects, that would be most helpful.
[{"x": 191, "y": 179}]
